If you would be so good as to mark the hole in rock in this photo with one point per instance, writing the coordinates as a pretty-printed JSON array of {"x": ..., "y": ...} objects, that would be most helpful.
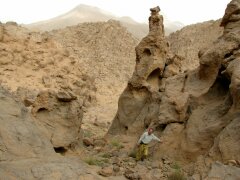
[
  {"x": 228, "y": 55},
  {"x": 147, "y": 51},
  {"x": 222, "y": 81},
  {"x": 60, "y": 150},
  {"x": 154, "y": 78},
  {"x": 126, "y": 127},
  {"x": 161, "y": 127},
  {"x": 41, "y": 109}
]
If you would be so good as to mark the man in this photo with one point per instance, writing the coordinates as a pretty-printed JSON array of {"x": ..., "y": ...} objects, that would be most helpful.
[{"x": 143, "y": 142}]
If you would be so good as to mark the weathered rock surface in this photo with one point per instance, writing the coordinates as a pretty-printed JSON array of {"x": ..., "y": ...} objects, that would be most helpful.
[
  {"x": 26, "y": 153},
  {"x": 222, "y": 172},
  {"x": 19, "y": 136},
  {"x": 92, "y": 61},
  {"x": 197, "y": 112},
  {"x": 48, "y": 168},
  {"x": 59, "y": 116},
  {"x": 138, "y": 104},
  {"x": 192, "y": 40},
  {"x": 105, "y": 51}
]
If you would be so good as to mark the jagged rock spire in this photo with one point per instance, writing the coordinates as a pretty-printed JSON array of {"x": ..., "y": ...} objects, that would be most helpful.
[{"x": 156, "y": 21}]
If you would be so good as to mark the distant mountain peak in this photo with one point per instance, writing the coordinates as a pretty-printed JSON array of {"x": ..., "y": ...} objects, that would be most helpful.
[{"x": 86, "y": 13}]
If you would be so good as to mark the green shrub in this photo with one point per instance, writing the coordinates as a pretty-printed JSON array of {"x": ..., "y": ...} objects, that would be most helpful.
[
  {"x": 117, "y": 144},
  {"x": 176, "y": 166},
  {"x": 106, "y": 155},
  {"x": 95, "y": 161}
]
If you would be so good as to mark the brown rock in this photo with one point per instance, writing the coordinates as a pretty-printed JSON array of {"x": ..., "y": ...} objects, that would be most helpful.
[
  {"x": 197, "y": 112},
  {"x": 60, "y": 121},
  {"x": 129, "y": 174},
  {"x": 116, "y": 168},
  {"x": 46, "y": 81},
  {"x": 66, "y": 96},
  {"x": 106, "y": 171},
  {"x": 99, "y": 142},
  {"x": 221, "y": 172},
  {"x": 190, "y": 42},
  {"x": 5, "y": 58},
  {"x": 87, "y": 142},
  {"x": 28, "y": 102},
  {"x": 151, "y": 55},
  {"x": 1, "y": 32}
]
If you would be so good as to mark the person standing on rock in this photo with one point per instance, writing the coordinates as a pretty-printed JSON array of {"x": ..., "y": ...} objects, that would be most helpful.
[{"x": 143, "y": 142}]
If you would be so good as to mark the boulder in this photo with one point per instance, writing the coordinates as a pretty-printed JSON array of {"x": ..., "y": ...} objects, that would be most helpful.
[
  {"x": 222, "y": 172},
  {"x": 65, "y": 96},
  {"x": 88, "y": 142},
  {"x": 106, "y": 171},
  {"x": 59, "y": 117},
  {"x": 20, "y": 137}
]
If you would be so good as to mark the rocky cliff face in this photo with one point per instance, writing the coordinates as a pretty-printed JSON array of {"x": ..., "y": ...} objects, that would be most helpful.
[{"x": 196, "y": 113}]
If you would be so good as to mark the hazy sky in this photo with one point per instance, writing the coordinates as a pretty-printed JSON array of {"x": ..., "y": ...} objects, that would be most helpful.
[{"x": 185, "y": 11}]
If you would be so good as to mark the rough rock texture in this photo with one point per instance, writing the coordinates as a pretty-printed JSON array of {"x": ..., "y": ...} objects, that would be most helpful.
[
  {"x": 19, "y": 136},
  {"x": 59, "y": 116},
  {"x": 221, "y": 172},
  {"x": 1, "y": 32},
  {"x": 199, "y": 108},
  {"x": 138, "y": 104},
  {"x": 105, "y": 51},
  {"x": 48, "y": 168},
  {"x": 26, "y": 153},
  {"x": 151, "y": 56},
  {"x": 192, "y": 40},
  {"x": 93, "y": 61}
]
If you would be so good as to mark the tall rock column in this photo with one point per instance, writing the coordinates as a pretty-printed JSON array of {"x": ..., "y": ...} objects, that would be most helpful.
[{"x": 138, "y": 104}]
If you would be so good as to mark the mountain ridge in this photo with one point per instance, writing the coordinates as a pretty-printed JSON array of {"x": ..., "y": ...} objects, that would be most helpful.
[{"x": 84, "y": 13}]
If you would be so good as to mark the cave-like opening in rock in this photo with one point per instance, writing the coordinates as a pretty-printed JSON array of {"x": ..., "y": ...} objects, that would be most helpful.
[
  {"x": 154, "y": 78},
  {"x": 147, "y": 52},
  {"x": 161, "y": 127},
  {"x": 41, "y": 109},
  {"x": 60, "y": 150}
]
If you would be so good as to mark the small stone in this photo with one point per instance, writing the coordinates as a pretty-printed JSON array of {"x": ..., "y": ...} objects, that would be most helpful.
[
  {"x": 116, "y": 168},
  {"x": 28, "y": 102},
  {"x": 99, "y": 142},
  {"x": 106, "y": 171},
  {"x": 65, "y": 97},
  {"x": 87, "y": 142}
]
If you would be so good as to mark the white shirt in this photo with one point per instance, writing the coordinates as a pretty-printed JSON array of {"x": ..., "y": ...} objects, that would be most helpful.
[{"x": 146, "y": 138}]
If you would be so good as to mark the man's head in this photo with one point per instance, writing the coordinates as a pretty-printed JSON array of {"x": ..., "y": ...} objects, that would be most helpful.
[{"x": 150, "y": 131}]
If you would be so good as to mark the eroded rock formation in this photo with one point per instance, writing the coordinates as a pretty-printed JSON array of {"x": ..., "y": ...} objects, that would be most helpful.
[
  {"x": 139, "y": 103},
  {"x": 197, "y": 113},
  {"x": 26, "y": 153},
  {"x": 59, "y": 116}
]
